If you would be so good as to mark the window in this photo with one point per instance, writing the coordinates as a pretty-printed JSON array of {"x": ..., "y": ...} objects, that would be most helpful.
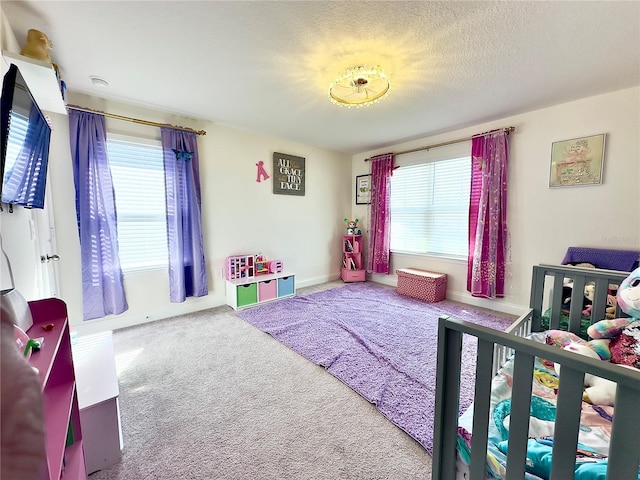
[
  {"x": 19, "y": 124},
  {"x": 430, "y": 208},
  {"x": 138, "y": 181}
]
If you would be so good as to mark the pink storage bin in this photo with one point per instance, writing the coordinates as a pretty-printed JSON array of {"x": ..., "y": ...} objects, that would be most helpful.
[
  {"x": 426, "y": 286},
  {"x": 267, "y": 290}
]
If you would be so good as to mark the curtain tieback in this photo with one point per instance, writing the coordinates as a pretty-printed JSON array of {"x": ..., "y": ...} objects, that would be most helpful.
[{"x": 180, "y": 155}]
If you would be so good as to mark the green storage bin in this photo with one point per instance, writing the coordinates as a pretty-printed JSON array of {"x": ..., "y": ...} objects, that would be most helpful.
[{"x": 247, "y": 294}]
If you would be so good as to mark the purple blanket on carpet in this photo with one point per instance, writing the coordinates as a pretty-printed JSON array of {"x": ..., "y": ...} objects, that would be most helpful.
[{"x": 379, "y": 343}]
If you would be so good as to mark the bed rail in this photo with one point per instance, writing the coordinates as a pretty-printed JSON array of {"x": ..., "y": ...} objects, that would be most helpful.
[
  {"x": 624, "y": 458},
  {"x": 547, "y": 294},
  {"x": 556, "y": 275},
  {"x": 520, "y": 328}
]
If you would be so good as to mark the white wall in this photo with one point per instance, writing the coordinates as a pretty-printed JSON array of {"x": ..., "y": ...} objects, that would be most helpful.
[
  {"x": 544, "y": 221},
  {"x": 239, "y": 214},
  {"x": 8, "y": 40},
  {"x": 17, "y": 228}
]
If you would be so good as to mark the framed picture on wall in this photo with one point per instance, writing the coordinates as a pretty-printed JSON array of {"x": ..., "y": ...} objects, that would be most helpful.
[
  {"x": 363, "y": 189},
  {"x": 289, "y": 174},
  {"x": 578, "y": 161}
]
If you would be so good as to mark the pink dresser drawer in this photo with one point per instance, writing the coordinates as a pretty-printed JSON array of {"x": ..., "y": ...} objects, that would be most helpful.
[
  {"x": 267, "y": 290},
  {"x": 353, "y": 275}
]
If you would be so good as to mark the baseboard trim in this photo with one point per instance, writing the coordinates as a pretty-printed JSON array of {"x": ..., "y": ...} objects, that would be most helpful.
[
  {"x": 310, "y": 282},
  {"x": 203, "y": 303},
  {"x": 499, "y": 305},
  {"x": 130, "y": 320}
]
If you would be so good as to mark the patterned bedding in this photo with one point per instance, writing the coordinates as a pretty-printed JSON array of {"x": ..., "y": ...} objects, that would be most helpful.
[{"x": 593, "y": 439}]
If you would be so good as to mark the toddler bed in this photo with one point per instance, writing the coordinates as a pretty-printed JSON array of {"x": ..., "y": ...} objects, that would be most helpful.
[{"x": 522, "y": 416}]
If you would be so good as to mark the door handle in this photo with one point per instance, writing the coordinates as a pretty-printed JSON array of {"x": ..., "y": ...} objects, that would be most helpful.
[{"x": 48, "y": 258}]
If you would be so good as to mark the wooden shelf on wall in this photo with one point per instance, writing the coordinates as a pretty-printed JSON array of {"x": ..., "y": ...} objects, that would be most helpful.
[{"x": 41, "y": 79}]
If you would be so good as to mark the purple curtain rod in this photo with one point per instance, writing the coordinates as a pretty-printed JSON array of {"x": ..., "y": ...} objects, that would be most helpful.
[{"x": 508, "y": 130}]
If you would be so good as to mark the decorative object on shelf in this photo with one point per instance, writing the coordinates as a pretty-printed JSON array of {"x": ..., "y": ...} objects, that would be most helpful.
[
  {"x": 262, "y": 173},
  {"x": 262, "y": 265},
  {"x": 288, "y": 174},
  {"x": 578, "y": 161},
  {"x": 352, "y": 226},
  {"x": 37, "y": 46},
  {"x": 363, "y": 189},
  {"x": 248, "y": 266},
  {"x": 359, "y": 86},
  {"x": 275, "y": 266},
  {"x": 240, "y": 266}
]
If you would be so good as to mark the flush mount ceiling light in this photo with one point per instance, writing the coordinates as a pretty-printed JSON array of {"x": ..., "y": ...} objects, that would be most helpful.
[
  {"x": 98, "y": 81},
  {"x": 359, "y": 87}
]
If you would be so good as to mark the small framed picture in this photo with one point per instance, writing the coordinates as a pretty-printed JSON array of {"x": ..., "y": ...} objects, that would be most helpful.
[
  {"x": 363, "y": 189},
  {"x": 578, "y": 161}
]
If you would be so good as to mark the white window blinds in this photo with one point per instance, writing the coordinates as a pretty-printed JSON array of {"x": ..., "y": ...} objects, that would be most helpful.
[
  {"x": 430, "y": 208},
  {"x": 19, "y": 124},
  {"x": 138, "y": 181}
]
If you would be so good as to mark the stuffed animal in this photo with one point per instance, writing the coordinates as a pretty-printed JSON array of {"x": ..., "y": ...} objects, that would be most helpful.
[
  {"x": 562, "y": 339},
  {"x": 598, "y": 391},
  {"x": 589, "y": 293},
  {"x": 624, "y": 333},
  {"x": 37, "y": 46},
  {"x": 352, "y": 227},
  {"x": 587, "y": 300},
  {"x": 612, "y": 304}
]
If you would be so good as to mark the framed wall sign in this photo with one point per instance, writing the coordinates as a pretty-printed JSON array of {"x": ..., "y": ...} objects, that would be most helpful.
[
  {"x": 578, "y": 161},
  {"x": 363, "y": 189},
  {"x": 288, "y": 174}
]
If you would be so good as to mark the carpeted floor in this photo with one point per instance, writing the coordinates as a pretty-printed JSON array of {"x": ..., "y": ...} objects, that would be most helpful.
[
  {"x": 208, "y": 396},
  {"x": 381, "y": 344}
]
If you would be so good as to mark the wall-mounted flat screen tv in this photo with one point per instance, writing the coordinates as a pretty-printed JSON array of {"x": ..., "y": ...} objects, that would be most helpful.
[{"x": 25, "y": 144}]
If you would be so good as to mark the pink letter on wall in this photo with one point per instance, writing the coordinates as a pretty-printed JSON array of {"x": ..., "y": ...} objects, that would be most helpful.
[{"x": 262, "y": 173}]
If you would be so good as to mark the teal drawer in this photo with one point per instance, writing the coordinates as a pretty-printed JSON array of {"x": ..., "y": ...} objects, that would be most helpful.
[
  {"x": 286, "y": 286},
  {"x": 247, "y": 294}
]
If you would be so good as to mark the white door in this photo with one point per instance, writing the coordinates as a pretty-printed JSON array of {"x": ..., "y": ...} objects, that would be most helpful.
[
  {"x": 18, "y": 243},
  {"x": 48, "y": 250},
  {"x": 28, "y": 240}
]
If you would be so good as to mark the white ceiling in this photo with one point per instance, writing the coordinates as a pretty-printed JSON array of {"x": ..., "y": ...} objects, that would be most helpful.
[{"x": 266, "y": 66}]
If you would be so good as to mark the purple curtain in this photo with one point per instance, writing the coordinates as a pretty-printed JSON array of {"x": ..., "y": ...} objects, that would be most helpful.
[
  {"x": 379, "y": 231},
  {"x": 25, "y": 182},
  {"x": 102, "y": 285},
  {"x": 488, "y": 215},
  {"x": 187, "y": 270}
]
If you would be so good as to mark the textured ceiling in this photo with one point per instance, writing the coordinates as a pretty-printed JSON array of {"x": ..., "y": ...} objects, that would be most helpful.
[{"x": 266, "y": 66}]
